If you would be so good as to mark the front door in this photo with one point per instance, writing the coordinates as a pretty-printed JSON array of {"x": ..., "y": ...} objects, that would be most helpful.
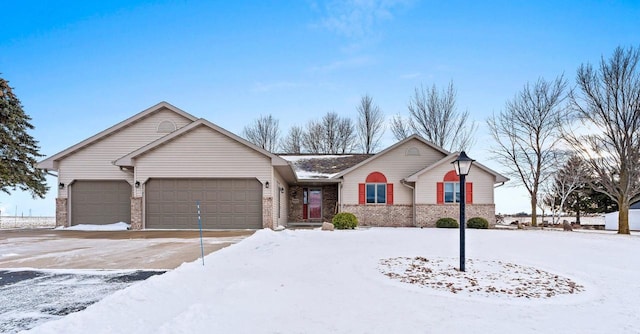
[{"x": 315, "y": 203}]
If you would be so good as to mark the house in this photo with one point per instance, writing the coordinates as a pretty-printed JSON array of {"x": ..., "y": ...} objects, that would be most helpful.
[
  {"x": 158, "y": 167},
  {"x": 611, "y": 219}
]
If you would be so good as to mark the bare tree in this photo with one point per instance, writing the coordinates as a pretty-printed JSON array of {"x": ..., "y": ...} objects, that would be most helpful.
[
  {"x": 574, "y": 175},
  {"x": 435, "y": 117},
  {"x": 331, "y": 135},
  {"x": 313, "y": 138},
  {"x": 401, "y": 127},
  {"x": 528, "y": 134},
  {"x": 370, "y": 124},
  {"x": 292, "y": 143},
  {"x": 264, "y": 132},
  {"x": 608, "y": 104},
  {"x": 346, "y": 136}
]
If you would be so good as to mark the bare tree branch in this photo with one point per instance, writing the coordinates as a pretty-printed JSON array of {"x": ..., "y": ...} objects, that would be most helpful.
[
  {"x": 608, "y": 105},
  {"x": 400, "y": 127},
  {"x": 435, "y": 117},
  {"x": 528, "y": 132},
  {"x": 293, "y": 142},
  {"x": 264, "y": 132},
  {"x": 370, "y": 125}
]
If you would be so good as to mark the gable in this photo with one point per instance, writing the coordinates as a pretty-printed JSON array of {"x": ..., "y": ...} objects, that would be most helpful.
[{"x": 125, "y": 136}]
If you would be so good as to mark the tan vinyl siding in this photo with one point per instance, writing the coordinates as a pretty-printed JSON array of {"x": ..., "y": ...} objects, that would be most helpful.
[
  {"x": 204, "y": 153},
  {"x": 482, "y": 185},
  {"x": 395, "y": 165},
  {"x": 95, "y": 162},
  {"x": 284, "y": 200}
]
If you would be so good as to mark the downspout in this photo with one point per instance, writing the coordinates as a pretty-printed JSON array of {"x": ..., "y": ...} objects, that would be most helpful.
[
  {"x": 340, "y": 195},
  {"x": 413, "y": 199},
  {"x": 500, "y": 185}
]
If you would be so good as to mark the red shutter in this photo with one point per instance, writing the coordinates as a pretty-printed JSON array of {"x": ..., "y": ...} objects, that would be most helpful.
[
  {"x": 440, "y": 192},
  {"x": 389, "y": 193},
  {"x": 469, "y": 193},
  {"x": 361, "y": 193}
]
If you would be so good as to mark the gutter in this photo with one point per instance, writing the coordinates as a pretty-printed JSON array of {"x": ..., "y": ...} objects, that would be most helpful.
[
  {"x": 413, "y": 199},
  {"x": 500, "y": 185}
]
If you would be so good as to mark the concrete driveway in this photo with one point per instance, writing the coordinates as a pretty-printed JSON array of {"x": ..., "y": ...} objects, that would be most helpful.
[{"x": 60, "y": 249}]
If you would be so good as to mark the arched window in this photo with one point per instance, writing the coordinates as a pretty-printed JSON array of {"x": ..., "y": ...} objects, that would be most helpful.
[
  {"x": 375, "y": 190},
  {"x": 448, "y": 191}
]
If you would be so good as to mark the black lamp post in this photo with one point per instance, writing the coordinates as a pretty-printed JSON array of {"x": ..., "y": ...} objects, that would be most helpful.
[{"x": 462, "y": 166}]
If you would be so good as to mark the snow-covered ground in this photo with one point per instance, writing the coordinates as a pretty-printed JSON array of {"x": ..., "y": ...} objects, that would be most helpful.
[{"x": 310, "y": 281}]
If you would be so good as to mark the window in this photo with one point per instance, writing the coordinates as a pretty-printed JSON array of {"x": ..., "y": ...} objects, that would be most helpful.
[
  {"x": 376, "y": 193},
  {"x": 452, "y": 192},
  {"x": 375, "y": 190}
]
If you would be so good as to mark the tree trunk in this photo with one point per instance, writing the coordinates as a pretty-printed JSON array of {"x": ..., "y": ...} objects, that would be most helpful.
[
  {"x": 534, "y": 215},
  {"x": 578, "y": 216},
  {"x": 623, "y": 219}
]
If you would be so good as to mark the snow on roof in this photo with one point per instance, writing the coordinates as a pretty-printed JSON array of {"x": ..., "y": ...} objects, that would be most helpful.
[{"x": 322, "y": 166}]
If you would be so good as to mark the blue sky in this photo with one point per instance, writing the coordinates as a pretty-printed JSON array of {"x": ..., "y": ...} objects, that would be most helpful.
[{"x": 81, "y": 66}]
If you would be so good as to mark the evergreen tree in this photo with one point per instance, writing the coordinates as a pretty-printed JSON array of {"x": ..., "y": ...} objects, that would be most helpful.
[{"x": 18, "y": 150}]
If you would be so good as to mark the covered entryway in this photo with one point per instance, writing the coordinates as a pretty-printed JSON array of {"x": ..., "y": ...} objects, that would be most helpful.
[
  {"x": 100, "y": 202},
  {"x": 224, "y": 203}
]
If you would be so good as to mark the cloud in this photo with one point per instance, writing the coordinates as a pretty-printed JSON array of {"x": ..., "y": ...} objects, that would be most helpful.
[{"x": 357, "y": 18}]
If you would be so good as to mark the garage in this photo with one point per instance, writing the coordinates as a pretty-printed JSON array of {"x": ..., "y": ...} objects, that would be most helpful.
[
  {"x": 100, "y": 202},
  {"x": 224, "y": 203}
]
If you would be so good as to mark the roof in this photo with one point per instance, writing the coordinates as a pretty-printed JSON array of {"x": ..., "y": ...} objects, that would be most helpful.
[
  {"x": 50, "y": 163},
  {"x": 318, "y": 167},
  {"x": 391, "y": 148},
  {"x": 448, "y": 160}
]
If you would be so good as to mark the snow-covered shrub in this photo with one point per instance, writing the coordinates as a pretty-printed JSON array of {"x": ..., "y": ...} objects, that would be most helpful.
[
  {"x": 345, "y": 220},
  {"x": 447, "y": 223},
  {"x": 477, "y": 222}
]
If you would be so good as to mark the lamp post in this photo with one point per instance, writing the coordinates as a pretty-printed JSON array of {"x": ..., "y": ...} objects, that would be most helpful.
[{"x": 462, "y": 166}]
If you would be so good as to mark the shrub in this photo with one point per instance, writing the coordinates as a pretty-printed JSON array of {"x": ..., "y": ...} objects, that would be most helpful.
[
  {"x": 345, "y": 220},
  {"x": 477, "y": 222},
  {"x": 447, "y": 223}
]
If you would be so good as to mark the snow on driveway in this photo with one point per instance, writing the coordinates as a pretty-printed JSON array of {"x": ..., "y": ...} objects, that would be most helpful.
[{"x": 309, "y": 281}]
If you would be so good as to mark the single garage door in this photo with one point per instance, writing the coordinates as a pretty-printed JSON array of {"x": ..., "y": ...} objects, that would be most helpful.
[
  {"x": 100, "y": 202},
  {"x": 224, "y": 203}
]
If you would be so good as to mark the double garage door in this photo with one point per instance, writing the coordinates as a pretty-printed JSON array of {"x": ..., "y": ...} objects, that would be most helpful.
[
  {"x": 224, "y": 203},
  {"x": 171, "y": 203}
]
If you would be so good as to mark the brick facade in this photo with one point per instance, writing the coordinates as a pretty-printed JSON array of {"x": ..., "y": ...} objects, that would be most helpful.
[
  {"x": 136, "y": 213},
  {"x": 382, "y": 215},
  {"x": 428, "y": 214},
  {"x": 329, "y": 203},
  {"x": 267, "y": 212},
  {"x": 62, "y": 216}
]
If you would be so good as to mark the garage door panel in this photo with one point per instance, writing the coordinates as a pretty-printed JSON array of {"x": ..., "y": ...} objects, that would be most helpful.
[
  {"x": 100, "y": 202},
  {"x": 224, "y": 203}
]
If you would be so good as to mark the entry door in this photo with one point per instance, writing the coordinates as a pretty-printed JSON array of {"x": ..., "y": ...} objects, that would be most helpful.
[{"x": 315, "y": 203}]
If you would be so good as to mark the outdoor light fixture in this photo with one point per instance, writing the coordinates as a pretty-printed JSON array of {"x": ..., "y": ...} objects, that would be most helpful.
[
  {"x": 61, "y": 185},
  {"x": 282, "y": 190},
  {"x": 462, "y": 166},
  {"x": 266, "y": 184},
  {"x": 137, "y": 184}
]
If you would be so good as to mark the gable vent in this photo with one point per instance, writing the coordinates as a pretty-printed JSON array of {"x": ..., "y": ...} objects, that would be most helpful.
[
  {"x": 166, "y": 127},
  {"x": 412, "y": 151}
]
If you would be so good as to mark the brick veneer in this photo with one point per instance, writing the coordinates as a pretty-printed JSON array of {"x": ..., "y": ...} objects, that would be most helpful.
[
  {"x": 329, "y": 201},
  {"x": 381, "y": 215},
  {"x": 62, "y": 217},
  {"x": 267, "y": 212},
  {"x": 428, "y": 214},
  {"x": 136, "y": 213}
]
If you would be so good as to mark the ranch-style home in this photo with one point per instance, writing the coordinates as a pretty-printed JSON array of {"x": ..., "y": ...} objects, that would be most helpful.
[{"x": 154, "y": 168}]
